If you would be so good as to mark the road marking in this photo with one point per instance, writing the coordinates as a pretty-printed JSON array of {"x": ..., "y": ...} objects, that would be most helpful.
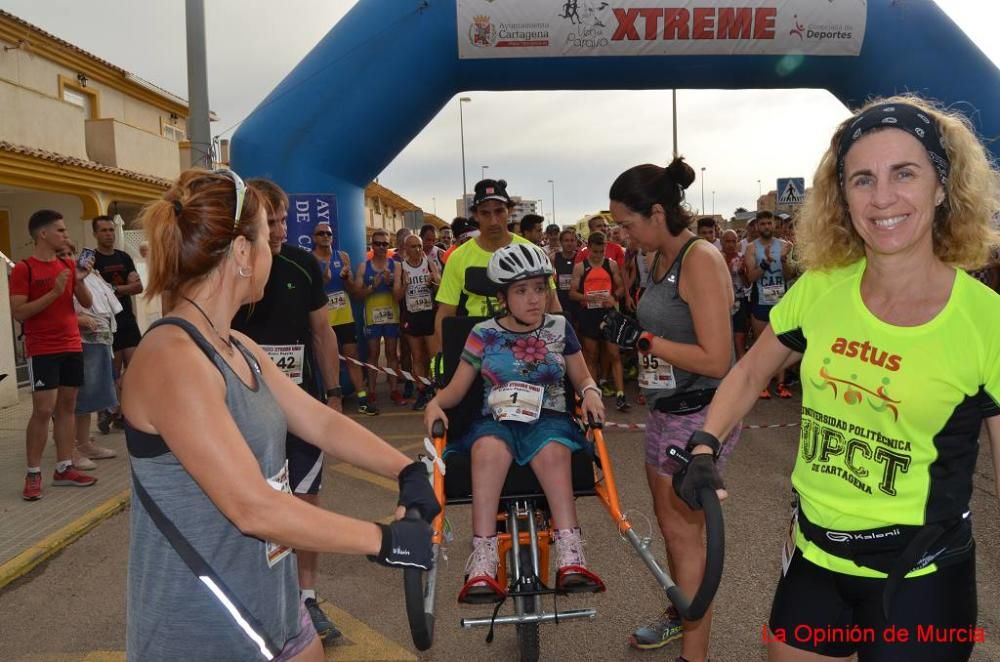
[
  {"x": 47, "y": 547},
  {"x": 367, "y": 476},
  {"x": 364, "y": 644}
]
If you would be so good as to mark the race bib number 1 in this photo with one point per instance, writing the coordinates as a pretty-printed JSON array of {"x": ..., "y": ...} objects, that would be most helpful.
[
  {"x": 288, "y": 358},
  {"x": 272, "y": 550},
  {"x": 655, "y": 373},
  {"x": 516, "y": 401}
]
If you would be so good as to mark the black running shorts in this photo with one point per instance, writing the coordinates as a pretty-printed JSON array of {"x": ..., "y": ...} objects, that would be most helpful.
[
  {"x": 305, "y": 465},
  {"x": 50, "y": 371},
  {"x": 833, "y": 614}
]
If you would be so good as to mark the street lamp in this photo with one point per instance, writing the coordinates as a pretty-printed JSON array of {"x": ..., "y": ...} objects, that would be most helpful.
[
  {"x": 552, "y": 181},
  {"x": 758, "y": 189},
  {"x": 703, "y": 190},
  {"x": 461, "y": 129},
  {"x": 713, "y": 203},
  {"x": 482, "y": 172}
]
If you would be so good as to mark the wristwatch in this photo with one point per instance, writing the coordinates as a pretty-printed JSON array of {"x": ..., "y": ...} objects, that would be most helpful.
[
  {"x": 645, "y": 341},
  {"x": 334, "y": 392},
  {"x": 700, "y": 437}
]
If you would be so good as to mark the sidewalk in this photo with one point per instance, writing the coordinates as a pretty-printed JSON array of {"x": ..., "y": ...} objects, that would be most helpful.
[{"x": 33, "y": 531}]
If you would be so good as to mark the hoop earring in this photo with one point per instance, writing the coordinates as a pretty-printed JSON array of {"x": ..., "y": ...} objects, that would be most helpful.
[{"x": 244, "y": 275}]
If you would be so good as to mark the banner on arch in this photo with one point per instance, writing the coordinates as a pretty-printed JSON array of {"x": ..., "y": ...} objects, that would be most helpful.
[{"x": 580, "y": 28}]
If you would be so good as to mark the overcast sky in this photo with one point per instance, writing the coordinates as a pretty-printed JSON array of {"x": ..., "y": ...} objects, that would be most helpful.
[{"x": 252, "y": 44}]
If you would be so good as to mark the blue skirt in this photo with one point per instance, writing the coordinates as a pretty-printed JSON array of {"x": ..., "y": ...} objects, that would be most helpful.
[
  {"x": 524, "y": 439},
  {"x": 98, "y": 390}
]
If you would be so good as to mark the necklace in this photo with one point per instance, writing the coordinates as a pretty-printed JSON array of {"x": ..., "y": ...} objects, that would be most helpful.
[{"x": 228, "y": 342}]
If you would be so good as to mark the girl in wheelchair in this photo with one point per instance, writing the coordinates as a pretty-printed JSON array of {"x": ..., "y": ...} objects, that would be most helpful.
[{"x": 524, "y": 356}]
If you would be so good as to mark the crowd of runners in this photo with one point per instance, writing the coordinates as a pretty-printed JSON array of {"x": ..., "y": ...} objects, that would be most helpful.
[{"x": 864, "y": 296}]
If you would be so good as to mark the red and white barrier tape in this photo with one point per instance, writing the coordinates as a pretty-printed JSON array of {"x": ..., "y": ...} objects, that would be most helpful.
[
  {"x": 408, "y": 376},
  {"x": 642, "y": 426}
]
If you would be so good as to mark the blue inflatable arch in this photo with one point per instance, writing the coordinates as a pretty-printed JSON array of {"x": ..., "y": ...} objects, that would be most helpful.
[{"x": 389, "y": 66}]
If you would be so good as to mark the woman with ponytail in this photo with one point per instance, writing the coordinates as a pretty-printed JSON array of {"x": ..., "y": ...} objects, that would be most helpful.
[
  {"x": 684, "y": 340},
  {"x": 213, "y": 522}
]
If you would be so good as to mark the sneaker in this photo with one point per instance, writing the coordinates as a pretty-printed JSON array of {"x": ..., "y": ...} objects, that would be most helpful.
[
  {"x": 325, "y": 629},
  {"x": 573, "y": 575},
  {"x": 397, "y": 398},
  {"x": 72, "y": 477},
  {"x": 32, "y": 486},
  {"x": 666, "y": 628},
  {"x": 765, "y": 394},
  {"x": 620, "y": 403},
  {"x": 607, "y": 390},
  {"x": 421, "y": 402},
  {"x": 408, "y": 390},
  {"x": 82, "y": 462},
  {"x": 118, "y": 421},
  {"x": 640, "y": 400},
  {"x": 94, "y": 452},
  {"x": 367, "y": 407},
  {"x": 481, "y": 573},
  {"x": 783, "y": 392},
  {"x": 104, "y": 421}
]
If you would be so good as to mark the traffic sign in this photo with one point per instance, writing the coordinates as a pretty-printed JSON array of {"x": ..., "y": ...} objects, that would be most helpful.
[{"x": 791, "y": 190}]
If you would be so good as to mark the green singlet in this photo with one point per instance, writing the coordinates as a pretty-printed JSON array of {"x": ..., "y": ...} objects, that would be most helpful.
[{"x": 891, "y": 415}]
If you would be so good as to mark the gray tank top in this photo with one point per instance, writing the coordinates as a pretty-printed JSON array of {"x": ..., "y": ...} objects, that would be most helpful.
[
  {"x": 662, "y": 312},
  {"x": 171, "y": 614}
]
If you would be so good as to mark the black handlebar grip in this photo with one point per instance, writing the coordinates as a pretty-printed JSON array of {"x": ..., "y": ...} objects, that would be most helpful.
[{"x": 437, "y": 429}]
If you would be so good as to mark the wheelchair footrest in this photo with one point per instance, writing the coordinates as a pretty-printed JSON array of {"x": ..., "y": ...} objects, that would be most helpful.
[{"x": 544, "y": 617}]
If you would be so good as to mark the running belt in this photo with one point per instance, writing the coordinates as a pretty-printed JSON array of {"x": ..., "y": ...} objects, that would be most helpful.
[{"x": 204, "y": 572}]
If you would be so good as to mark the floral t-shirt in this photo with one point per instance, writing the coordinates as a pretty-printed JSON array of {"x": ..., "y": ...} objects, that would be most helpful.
[{"x": 536, "y": 357}]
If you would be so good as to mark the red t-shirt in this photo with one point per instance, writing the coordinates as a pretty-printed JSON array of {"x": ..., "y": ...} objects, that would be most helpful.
[
  {"x": 54, "y": 330},
  {"x": 612, "y": 251}
]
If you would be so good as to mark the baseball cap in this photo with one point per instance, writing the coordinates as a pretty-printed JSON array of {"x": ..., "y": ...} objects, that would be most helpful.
[
  {"x": 462, "y": 226},
  {"x": 490, "y": 189}
]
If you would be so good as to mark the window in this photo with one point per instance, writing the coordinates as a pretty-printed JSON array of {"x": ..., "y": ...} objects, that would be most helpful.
[
  {"x": 74, "y": 93},
  {"x": 174, "y": 133}
]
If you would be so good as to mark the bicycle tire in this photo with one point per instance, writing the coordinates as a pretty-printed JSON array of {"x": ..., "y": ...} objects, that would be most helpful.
[
  {"x": 414, "y": 590},
  {"x": 529, "y": 643}
]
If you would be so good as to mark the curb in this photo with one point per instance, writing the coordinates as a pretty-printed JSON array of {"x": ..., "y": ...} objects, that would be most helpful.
[{"x": 45, "y": 549}]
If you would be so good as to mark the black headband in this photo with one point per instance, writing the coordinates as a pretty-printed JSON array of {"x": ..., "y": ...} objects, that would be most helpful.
[
  {"x": 901, "y": 116},
  {"x": 178, "y": 208}
]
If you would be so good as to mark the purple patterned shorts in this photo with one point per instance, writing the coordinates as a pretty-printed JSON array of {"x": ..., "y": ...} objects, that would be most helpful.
[
  {"x": 666, "y": 430},
  {"x": 298, "y": 643}
]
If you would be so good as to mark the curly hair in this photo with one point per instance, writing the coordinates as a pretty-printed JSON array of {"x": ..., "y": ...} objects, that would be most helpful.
[{"x": 963, "y": 230}]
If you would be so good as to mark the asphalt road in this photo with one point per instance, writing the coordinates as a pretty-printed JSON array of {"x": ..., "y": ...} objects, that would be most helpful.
[{"x": 73, "y": 607}]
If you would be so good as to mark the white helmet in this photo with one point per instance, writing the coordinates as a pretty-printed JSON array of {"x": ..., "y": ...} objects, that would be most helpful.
[{"x": 516, "y": 262}]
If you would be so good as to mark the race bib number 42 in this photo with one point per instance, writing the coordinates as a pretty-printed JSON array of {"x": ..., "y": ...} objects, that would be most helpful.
[
  {"x": 288, "y": 358},
  {"x": 655, "y": 373},
  {"x": 516, "y": 401}
]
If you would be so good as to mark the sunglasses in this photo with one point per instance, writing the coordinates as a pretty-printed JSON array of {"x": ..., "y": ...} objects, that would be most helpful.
[
  {"x": 241, "y": 192},
  {"x": 380, "y": 244},
  {"x": 324, "y": 233}
]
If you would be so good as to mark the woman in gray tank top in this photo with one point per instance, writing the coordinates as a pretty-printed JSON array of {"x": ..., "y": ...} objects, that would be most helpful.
[
  {"x": 211, "y": 574},
  {"x": 684, "y": 351}
]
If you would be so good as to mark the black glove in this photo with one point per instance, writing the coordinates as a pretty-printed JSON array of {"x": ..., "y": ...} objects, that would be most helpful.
[
  {"x": 701, "y": 472},
  {"x": 415, "y": 491},
  {"x": 620, "y": 329},
  {"x": 406, "y": 543}
]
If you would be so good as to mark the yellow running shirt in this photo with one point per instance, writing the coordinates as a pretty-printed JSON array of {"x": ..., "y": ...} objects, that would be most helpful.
[
  {"x": 452, "y": 290},
  {"x": 891, "y": 415}
]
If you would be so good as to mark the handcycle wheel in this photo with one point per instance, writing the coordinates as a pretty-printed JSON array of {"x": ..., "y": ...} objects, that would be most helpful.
[
  {"x": 715, "y": 534},
  {"x": 415, "y": 590},
  {"x": 528, "y": 642}
]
